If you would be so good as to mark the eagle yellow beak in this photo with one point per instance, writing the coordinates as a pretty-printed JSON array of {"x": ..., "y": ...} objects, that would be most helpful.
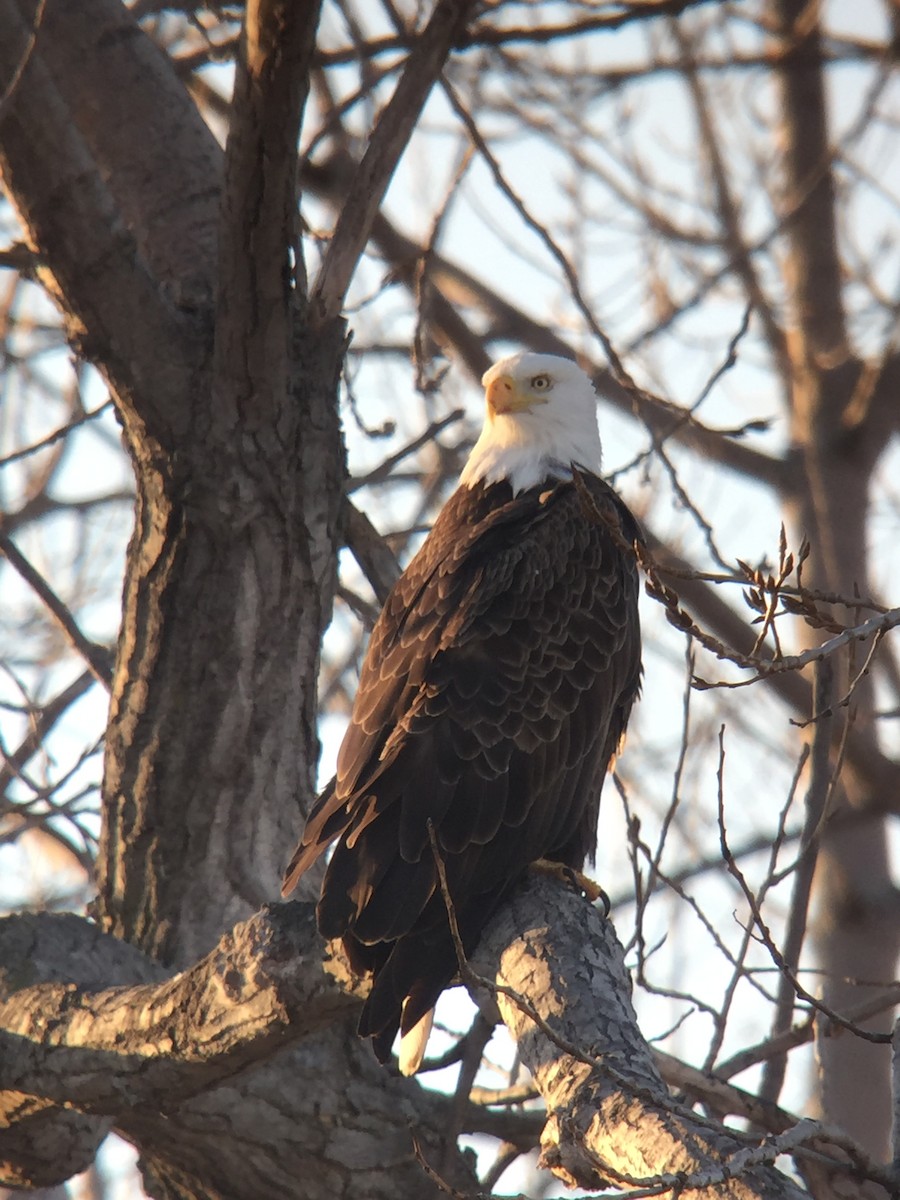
[{"x": 505, "y": 395}]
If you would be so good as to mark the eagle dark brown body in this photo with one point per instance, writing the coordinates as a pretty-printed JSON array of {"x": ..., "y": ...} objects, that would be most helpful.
[{"x": 495, "y": 691}]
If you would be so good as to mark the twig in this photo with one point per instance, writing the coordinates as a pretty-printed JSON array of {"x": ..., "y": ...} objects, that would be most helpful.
[
  {"x": 426, "y": 381},
  {"x": 768, "y": 942},
  {"x": 41, "y": 722},
  {"x": 383, "y": 470},
  {"x": 646, "y": 890},
  {"x": 763, "y": 668},
  {"x": 816, "y": 805},
  {"x": 49, "y": 440},
  {"x": 800, "y": 1035},
  {"x": 822, "y": 713},
  {"x": 97, "y": 657},
  {"x": 618, "y": 367},
  {"x": 13, "y": 84},
  {"x": 740, "y": 970}
]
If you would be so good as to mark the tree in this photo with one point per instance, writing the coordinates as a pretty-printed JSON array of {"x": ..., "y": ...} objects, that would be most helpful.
[{"x": 218, "y": 319}]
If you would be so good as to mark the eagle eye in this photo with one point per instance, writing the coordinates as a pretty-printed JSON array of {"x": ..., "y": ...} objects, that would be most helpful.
[{"x": 541, "y": 383}]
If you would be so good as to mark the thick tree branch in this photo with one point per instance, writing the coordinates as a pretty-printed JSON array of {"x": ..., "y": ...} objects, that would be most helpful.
[
  {"x": 168, "y": 194},
  {"x": 372, "y": 553},
  {"x": 169, "y": 1045},
  {"x": 610, "y": 1115},
  {"x": 159, "y": 1043},
  {"x": 321, "y": 1099},
  {"x": 120, "y": 265},
  {"x": 259, "y": 220}
]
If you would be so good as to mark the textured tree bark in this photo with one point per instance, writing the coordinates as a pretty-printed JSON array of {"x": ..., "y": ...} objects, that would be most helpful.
[
  {"x": 175, "y": 273},
  {"x": 237, "y": 1078},
  {"x": 163, "y": 1042},
  {"x": 41, "y": 1144},
  {"x": 228, "y": 402},
  {"x": 610, "y": 1117},
  {"x": 231, "y": 570},
  {"x": 228, "y": 589}
]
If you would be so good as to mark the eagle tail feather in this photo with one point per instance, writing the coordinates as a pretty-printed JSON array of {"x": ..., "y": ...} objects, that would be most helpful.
[{"x": 413, "y": 1043}]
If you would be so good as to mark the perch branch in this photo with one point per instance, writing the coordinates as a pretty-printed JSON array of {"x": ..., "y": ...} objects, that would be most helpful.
[{"x": 158, "y": 1043}]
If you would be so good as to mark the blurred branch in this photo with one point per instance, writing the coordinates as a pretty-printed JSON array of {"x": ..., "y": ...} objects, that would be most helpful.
[
  {"x": 377, "y": 562},
  {"x": 727, "y": 208},
  {"x": 814, "y": 268},
  {"x": 453, "y": 288},
  {"x": 384, "y": 469},
  {"x": 40, "y": 725},
  {"x": 813, "y": 1026},
  {"x": 389, "y": 139},
  {"x": 43, "y": 505},
  {"x": 13, "y": 83},
  {"x": 98, "y": 658},
  {"x": 487, "y": 35},
  {"x": 57, "y": 434},
  {"x": 776, "y": 954},
  {"x": 106, "y": 272}
]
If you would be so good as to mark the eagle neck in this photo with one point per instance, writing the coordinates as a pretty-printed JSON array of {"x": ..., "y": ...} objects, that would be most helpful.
[{"x": 527, "y": 456}]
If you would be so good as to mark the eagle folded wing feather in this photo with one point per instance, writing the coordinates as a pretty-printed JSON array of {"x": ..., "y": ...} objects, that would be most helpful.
[{"x": 496, "y": 688}]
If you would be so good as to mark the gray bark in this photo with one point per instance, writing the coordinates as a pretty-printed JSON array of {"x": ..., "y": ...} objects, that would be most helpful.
[{"x": 610, "y": 1116}]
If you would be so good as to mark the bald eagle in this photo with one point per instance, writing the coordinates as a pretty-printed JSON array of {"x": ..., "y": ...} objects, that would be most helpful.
[{"x": 496, "y": 688}]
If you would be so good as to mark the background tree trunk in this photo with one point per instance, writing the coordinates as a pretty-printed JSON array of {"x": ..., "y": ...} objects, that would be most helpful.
[{"x": 841, "y": 422}]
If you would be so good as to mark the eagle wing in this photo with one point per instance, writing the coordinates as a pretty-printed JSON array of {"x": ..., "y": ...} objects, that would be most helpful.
[{"x": 495, "y": 690}]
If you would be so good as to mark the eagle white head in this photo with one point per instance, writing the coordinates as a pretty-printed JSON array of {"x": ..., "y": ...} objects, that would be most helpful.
[{"x": 541, "y": 418}]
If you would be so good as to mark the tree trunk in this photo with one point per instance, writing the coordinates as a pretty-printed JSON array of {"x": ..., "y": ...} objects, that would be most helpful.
[{"x": 840, "y": 425}]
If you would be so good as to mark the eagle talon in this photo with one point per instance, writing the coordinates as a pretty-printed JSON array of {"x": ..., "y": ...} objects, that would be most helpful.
[{"x": 575, "y": 879}]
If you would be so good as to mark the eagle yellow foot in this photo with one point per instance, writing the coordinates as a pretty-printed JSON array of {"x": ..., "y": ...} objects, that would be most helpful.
[{"x": 573, "y": 878}]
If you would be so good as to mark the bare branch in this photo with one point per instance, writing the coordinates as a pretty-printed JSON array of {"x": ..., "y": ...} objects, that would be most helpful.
[
  {"x": 41, "y": 722},
  {"x": 56, "y": 435},
  {"x": 816, "y": 802},
  {"x": 97, "y": 657},
  {"x": 386, "y": 145}
]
